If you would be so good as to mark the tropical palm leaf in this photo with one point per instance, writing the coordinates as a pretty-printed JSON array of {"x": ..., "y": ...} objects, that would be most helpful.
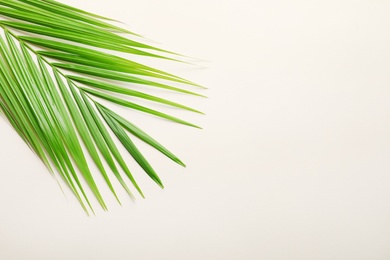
[{"x": 55, "y": 60}]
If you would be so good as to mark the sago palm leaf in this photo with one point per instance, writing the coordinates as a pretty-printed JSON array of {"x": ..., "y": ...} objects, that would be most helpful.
[{"x": 56, "y": 62}]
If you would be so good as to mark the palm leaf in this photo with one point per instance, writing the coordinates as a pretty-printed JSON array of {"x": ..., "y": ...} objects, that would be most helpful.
[{"x": 56, "y": 63}]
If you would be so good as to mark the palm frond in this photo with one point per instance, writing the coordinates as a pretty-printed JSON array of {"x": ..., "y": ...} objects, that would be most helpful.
[{"x": 56, "y": 62}]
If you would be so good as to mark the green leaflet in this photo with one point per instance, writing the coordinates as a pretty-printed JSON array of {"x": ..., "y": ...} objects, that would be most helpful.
[
  {"x": 140, "y": 134},
  {"x": 129, "y": 92},
  {"x": 56, "y": 63},
  {"x": 133, "y": 150}
]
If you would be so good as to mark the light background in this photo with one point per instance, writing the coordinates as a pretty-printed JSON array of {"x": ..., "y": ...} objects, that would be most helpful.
[{"x": 293, "y": 161}]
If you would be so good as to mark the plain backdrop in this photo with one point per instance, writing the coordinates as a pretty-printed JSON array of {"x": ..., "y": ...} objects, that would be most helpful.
[{"x": 292, "y": 163}]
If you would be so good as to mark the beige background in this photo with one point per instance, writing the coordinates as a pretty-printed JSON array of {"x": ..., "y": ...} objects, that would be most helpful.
[{"x": 293, "y": 161}]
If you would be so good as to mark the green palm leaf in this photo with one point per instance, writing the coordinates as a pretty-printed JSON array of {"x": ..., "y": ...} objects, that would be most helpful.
[{"x": 56, "y": 63}]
